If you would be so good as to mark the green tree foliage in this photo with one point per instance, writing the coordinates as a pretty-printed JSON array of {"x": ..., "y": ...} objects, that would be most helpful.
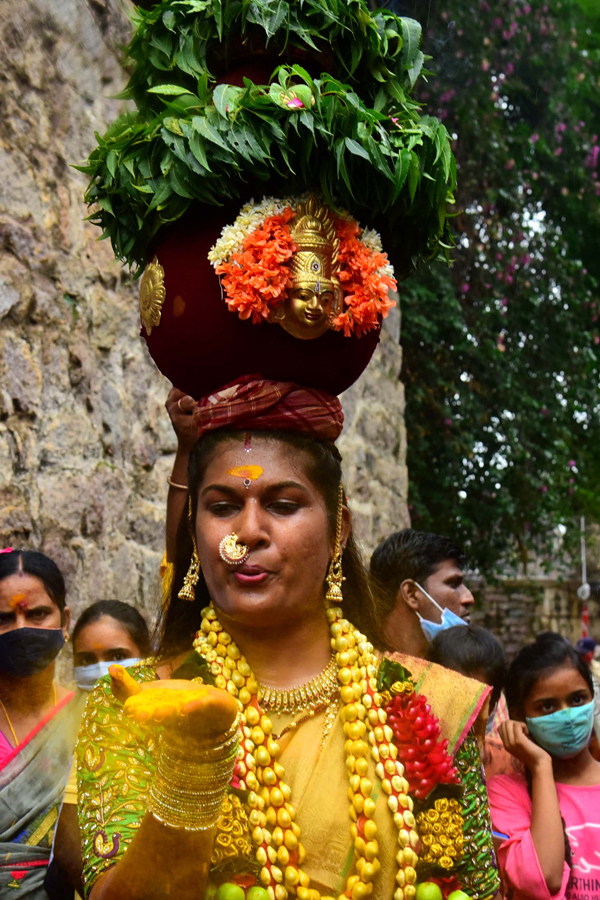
[
  {"x": 502, "y": 351},
  {"x": 353, "y": 132}
]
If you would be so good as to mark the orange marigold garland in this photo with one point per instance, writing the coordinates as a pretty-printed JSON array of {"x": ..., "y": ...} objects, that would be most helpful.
[
  {"x": 255, "y": 280},
  {"x": 253, "y": 258},
  {"x": 364, "y": 281}
]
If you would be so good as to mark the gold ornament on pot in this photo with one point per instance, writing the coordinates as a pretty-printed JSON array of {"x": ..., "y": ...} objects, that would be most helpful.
[
  {"x": 152, "y": 295},
  {"x": 315, "y": 296}
]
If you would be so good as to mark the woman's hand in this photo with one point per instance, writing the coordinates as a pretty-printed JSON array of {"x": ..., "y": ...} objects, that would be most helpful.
[
  {"x": 180, "y": 407},
  {"x": 516, "y": 740},
  {"x": 192, "y": 710}
]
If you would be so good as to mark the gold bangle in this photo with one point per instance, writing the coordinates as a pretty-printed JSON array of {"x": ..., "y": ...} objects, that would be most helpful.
[
  {"x": 171, "y": 483},
  {"x": 192, "y": 778}
]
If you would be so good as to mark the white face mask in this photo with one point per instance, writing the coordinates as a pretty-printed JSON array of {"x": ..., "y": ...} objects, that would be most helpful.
[
  {"x": 449, "y": 619},
  {"x": 87, "y": 676}
]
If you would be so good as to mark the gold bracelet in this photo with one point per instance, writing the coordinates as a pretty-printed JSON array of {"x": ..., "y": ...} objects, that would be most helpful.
[
  {"x": 191, "y": 779},
  {"x": 171, "y": 483}
]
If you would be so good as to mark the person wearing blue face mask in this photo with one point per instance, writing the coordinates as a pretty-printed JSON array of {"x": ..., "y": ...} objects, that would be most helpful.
[
  {"x": 418, "y": 578},
  {"x": 106, "y": 632},
  {"x": 548, "y": 819}
]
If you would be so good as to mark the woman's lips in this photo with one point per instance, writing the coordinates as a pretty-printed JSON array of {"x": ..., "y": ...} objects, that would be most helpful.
[{"x": 251, "y": 574}]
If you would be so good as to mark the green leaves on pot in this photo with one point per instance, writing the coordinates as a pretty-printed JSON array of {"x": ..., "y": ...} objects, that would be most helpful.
[{"x": 353, "y": 133}]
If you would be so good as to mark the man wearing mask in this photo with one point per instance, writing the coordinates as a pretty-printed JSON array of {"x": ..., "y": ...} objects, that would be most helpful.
[{"x": 419, "y": 579}]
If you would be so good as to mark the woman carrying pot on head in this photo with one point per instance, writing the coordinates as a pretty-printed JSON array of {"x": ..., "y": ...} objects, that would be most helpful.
[
  {"x": 240, "y": 777},
  {"x": 549, "y": 818},
  {"x": 38, "y": 721}
]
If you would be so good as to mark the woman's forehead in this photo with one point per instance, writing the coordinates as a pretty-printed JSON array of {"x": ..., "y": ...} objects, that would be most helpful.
[
  {"x": 256, "y": 457},
  {"x": 103, "y": 634},
  {"x": 21, "y": 590},
  {"x": 550, "y": 682}
]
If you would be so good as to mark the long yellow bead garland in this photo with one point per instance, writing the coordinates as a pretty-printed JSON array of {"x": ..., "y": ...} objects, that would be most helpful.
[{"x": 274, "y": 831}]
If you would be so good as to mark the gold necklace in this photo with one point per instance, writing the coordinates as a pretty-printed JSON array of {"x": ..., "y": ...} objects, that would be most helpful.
[
  {"x": 10, "y": 724},
  {"x": 307, "y": 696},
  {"x": 321, "y": 692}
]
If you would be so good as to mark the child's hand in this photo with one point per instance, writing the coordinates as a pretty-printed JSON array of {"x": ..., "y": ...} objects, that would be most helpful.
[{"x": 516, "y": 740}]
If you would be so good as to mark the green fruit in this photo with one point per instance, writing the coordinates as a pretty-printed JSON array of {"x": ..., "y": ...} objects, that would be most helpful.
[
  {"x": 230, "y": 891},
  {"x": 458, "y": 895},
  {"x": 429, "y": 890},
  {"x": 257, "y": 893}
]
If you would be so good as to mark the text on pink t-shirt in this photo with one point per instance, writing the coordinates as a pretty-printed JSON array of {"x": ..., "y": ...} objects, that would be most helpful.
[{"x": 511, "y": 808}]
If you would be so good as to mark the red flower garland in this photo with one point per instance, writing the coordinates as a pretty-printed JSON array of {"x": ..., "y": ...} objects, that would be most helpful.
[{"x": 426, "y": 760}]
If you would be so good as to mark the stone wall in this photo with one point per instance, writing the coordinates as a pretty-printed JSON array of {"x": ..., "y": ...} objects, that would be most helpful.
[
  {"x": 519, "y": 608},
  {"x": 85, "y": 443},
  {"x": 525, "y": 602}
]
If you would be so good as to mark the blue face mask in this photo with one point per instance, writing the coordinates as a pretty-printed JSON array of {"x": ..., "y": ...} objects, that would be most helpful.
[
  {"x": 563, "y": 733},
  {"x": 87, "y": 676},
  {"x": 449, "y": 619}
]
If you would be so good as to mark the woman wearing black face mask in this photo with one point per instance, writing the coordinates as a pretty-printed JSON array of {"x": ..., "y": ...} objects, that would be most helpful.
[{"x": 38, "y": 724}]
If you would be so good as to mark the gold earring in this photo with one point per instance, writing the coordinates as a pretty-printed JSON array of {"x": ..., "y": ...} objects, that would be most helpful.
[
  {"x": 334, "y": 575},
  {"x": 188, "y": 590}
]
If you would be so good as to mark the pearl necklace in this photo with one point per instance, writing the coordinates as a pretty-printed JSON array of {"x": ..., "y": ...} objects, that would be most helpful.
[{"x": 274, "y": 831}]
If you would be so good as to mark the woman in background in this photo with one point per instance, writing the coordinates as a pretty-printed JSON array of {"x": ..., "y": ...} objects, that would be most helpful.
[
  {"x": 106, "y": 632},
  {"x": 38, "y": 721},
  {"x": 550, "y": 816}
]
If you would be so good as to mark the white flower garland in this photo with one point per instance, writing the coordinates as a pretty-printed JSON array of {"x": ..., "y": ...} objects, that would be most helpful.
[{"x": 252, "y": 216}]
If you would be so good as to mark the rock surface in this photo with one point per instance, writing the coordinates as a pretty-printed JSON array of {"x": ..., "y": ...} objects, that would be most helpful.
[{"x": 85, "y": 442}]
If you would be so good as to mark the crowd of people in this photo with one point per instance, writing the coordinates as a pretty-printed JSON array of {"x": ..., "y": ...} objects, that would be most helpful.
[{"x": 531, "y": 722}]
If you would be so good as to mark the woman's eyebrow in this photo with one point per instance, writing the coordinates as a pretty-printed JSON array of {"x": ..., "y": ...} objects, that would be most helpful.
[
  {"x": 41, "y": 607},
  {"x": 236, "y": 492},
  {"x": 224, "y": 488}
]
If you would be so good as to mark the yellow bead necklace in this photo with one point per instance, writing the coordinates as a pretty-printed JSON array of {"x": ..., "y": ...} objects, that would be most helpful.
[{"x": 274, "y": 831}]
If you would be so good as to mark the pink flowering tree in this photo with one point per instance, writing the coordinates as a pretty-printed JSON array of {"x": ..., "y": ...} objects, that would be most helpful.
[{"x": 502, "y": 350}]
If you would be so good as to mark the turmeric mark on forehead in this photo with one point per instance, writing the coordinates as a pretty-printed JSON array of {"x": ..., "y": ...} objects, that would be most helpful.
[
  {"x": 18, "y": 601},
  {"x": 250, "y": 473}
]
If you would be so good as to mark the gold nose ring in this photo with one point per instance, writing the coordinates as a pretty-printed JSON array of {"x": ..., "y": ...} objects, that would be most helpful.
[{"x": 232, "y": 551}]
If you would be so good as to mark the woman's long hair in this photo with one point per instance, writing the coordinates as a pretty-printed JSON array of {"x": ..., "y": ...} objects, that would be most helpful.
[{"x": 181, "y": 619}]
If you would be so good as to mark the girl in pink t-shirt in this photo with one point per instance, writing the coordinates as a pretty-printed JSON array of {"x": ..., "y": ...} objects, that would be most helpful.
[{"x": 549, "y": 819}]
